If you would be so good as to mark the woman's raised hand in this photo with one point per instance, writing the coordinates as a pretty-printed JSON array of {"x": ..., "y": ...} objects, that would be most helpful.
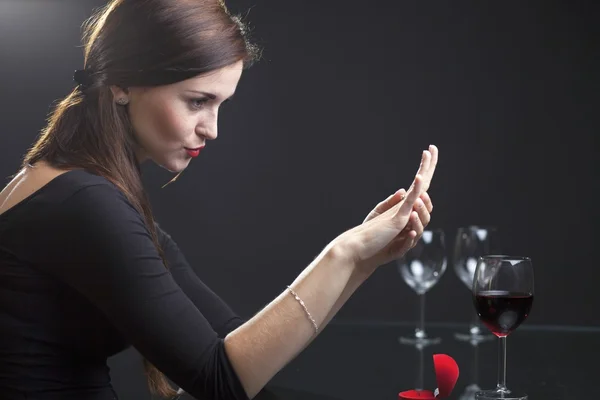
[{"x": 395, "y": 224}]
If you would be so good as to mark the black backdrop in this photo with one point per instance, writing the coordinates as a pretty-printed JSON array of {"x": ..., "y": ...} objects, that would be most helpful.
[{"x": 334, "y": 118}]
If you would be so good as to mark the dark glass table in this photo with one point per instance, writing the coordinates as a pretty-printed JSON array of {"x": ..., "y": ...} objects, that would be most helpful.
[
  {"x": 366, "y": 361},
  {"x": 353, "y": 361}
]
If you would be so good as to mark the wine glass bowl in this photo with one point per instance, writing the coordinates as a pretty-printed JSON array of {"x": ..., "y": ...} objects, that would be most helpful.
[
  {"x": 503, "y": 298},
  {"x": 423, "y": 265},
  {"x": 471, "y": 243},
  {"x": 421, "y": 268},
  {"x": 502, "y": 311}
]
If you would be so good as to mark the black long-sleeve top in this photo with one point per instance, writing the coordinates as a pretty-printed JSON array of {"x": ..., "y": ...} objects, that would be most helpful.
[{"x": 81, "y": 280}]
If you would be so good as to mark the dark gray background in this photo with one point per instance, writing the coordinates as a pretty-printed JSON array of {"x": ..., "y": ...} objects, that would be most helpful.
[{"x": 334, "y": 118}]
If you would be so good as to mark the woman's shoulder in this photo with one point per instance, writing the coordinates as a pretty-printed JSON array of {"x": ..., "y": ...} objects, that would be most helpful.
[
  {"x": 75, "y": 207},
  {"x": 75, "y": 180},
  {"x": 81, "y": 189},
  {"x": 43, "y": 189},
  {"x": 84, "y": 204},
  {"x": 77, "y": 185}
]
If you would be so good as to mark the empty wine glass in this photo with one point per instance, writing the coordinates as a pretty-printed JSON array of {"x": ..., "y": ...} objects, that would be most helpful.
[
  {"x": 471, "y": 243},
  {"x": 421, "y": 268},
  {"x": 503, "y": 296}
]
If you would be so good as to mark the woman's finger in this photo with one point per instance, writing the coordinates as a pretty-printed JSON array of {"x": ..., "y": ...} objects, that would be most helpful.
[
  {"x": 422, "y": 212},
  {"x": 425, "y": 163},
  {"x": 402, "y": 243},
  {"x": 416, "y": 189},
  {"x": 428, "y": 174},
  {"x": 434, "y": 157},
  {"x": 386, "y": 204},
  {"x": 412, "y": 195},
  {"x": 390, "y": 201},
  {"x": 427, "y": 200},
  {"x": 416, "y": 224}
]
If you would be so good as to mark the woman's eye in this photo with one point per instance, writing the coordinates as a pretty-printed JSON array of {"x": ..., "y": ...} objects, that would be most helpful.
[{"x": 198, "y": 103}]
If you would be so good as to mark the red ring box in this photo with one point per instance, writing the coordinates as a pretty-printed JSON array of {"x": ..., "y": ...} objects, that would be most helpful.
[{"x": 446, "y": 375}]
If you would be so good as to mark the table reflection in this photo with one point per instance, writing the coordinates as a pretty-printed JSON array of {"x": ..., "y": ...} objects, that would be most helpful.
[{"x": 366, "y": 361}]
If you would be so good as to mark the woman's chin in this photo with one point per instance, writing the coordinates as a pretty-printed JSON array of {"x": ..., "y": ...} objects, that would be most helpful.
[{"x": 173, "y": 165}]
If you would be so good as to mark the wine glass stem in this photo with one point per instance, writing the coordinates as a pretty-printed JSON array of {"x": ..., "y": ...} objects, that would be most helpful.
[
  {"x": 420, "y": 384},
  {"x": 474, "y": 328},
  {"x": 502, "y": 364},
  {"x": 475, "y": 363},
  {"x": 421, "y": 325}
]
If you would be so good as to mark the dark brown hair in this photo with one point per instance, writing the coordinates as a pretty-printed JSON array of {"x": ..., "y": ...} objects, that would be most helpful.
[{"x": 135, "y": 43}]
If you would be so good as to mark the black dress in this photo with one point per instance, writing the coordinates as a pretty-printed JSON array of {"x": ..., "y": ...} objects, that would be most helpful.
[{"x": 80, "y": 280}]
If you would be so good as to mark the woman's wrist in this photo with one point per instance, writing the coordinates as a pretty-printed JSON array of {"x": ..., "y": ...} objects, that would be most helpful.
[{"x": 343, "y": 252}]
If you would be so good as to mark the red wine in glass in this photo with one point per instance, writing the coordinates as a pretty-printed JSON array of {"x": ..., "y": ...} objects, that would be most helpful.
[
  {"x": 503, "y": 297},
  {"x": 502, "y": 311}
]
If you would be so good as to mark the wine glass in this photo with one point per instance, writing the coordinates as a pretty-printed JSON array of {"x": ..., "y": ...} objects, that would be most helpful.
[
  {"x": 503, "y": 296},
  {"x": 471, "y": 243},
  {"x": 421, "y": 268}
]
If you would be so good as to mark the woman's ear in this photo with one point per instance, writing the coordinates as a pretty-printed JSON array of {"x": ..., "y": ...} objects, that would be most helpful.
[{"x": 120, "y": 95}]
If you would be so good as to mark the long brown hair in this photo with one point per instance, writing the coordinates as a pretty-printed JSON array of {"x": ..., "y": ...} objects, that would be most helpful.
[{"x": 135, "y": 43}]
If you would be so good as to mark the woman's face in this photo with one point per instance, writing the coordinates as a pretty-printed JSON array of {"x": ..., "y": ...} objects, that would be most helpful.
[{"x": 170, "y": 121}]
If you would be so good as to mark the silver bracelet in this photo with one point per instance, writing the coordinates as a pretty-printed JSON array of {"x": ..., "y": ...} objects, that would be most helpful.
[{"x": 305, "y": 309}]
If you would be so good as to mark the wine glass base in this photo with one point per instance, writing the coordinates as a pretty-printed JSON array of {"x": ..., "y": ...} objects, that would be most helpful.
[
  {"x": 473, "y": 338},
  {"x": 469, "y": 392},
  {"x": 419, "y": 341},
  {"x": 498, "y": 394}
]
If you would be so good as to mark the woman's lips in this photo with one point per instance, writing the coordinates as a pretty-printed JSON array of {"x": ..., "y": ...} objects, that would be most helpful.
[{"x": 194, "y": 152}]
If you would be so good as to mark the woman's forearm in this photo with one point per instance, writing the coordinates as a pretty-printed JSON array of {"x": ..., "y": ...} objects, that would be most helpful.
[
  {"x": 356, "y": 279},
  {"x": 274, "y": 336}
]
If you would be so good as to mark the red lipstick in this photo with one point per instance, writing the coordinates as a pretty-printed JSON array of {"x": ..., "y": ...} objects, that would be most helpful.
[{"x": 193, "y": 152}]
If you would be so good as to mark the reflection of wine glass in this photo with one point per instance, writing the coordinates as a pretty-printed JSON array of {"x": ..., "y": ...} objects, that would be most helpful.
[
  {"x": 420, "y": 346},
  {"x": 471, "y": 243},
  {"x": 470, "y": 390},
  {"x": 503, "y": 296},
  {"x": 420, "y": 381},
  {"x": 421, "y": 268}
]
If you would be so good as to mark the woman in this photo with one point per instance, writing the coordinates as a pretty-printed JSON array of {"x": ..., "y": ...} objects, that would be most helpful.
[{"x": 84, "y": 270}]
